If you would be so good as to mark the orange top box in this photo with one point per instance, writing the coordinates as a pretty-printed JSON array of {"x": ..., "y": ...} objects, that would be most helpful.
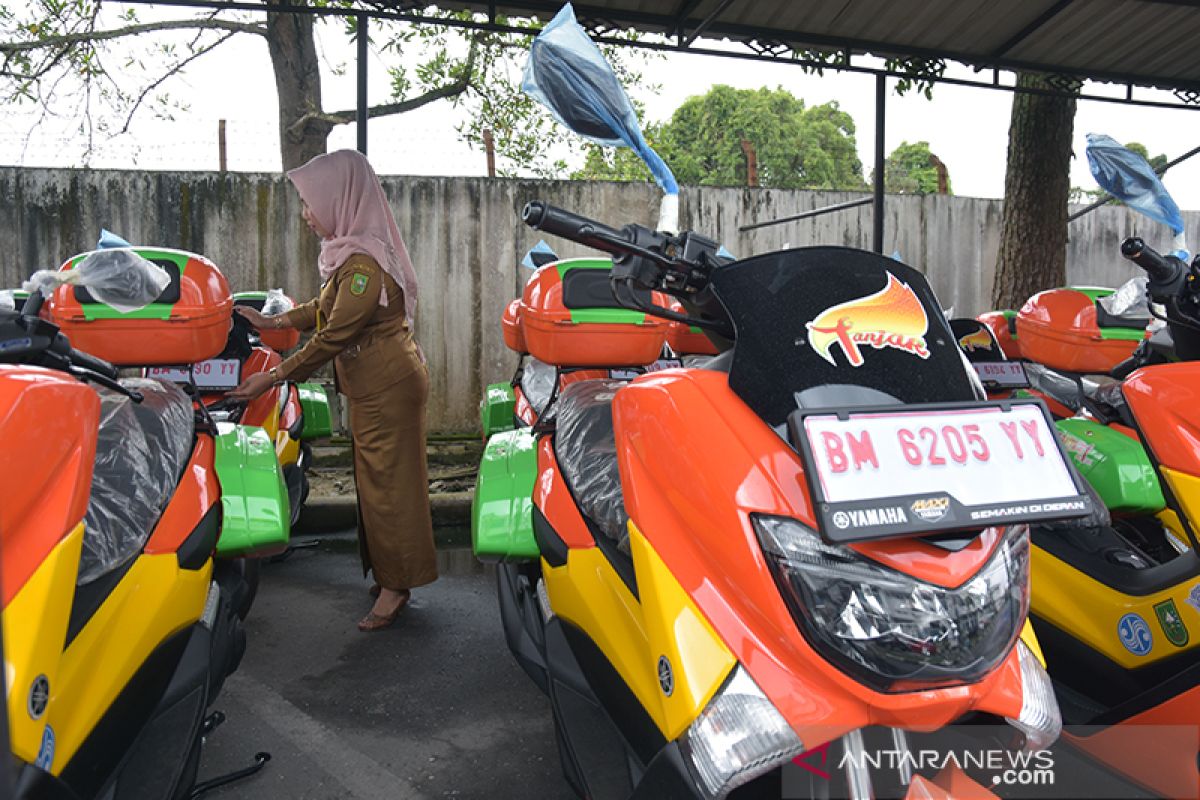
[
  {"x": 569, "y": 318},
  {"x": 510, "y": 324},
  {"x": 1064, "y": 329},
  {"x": 188, "y": 322}
]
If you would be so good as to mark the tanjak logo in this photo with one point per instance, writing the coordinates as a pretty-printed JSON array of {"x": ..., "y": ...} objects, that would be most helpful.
[
  {"x": 978, "y": 340},
  {"x": 892, "y": 317}
]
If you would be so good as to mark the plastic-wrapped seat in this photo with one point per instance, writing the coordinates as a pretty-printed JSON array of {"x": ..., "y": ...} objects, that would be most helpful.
[
  {"x": 141, "y": 450},
  {"x": 586, "y": 449}
]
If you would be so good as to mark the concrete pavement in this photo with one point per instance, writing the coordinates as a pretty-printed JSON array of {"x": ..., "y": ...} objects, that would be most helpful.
[{"x": 433, "y": 707}]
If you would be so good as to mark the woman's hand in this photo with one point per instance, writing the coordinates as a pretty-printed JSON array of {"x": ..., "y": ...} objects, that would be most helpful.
[
  {"x": 256, "y": 317},
  {"x": 252, "y": 387}
]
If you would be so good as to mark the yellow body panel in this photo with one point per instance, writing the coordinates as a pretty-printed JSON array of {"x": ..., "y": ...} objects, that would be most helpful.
[
  {"x": 1031, "y": 641},
  {"x": 271, "y": 423},
  {"x": 1186, "y": 489},
  {"x": 154, "y": 600},
  {"x": 35, "y": 627},
  {"x": 588, "y": 593},
  {"x": 1091, "y": 611},
  {"x": 287, "y": 449}
]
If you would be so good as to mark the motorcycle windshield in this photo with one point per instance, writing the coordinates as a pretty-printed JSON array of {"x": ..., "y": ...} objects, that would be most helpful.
[{"x": 826, "y": 316}]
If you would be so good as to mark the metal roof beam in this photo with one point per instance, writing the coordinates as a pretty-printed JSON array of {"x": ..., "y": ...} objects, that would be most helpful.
[
  {"x": 709, "y": 20},
  {"x": 681, "y": 15},
  {"x": 1029, "y": 29}
]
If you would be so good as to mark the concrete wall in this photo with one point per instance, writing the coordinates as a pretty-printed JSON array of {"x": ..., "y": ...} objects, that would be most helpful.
[{"x": 466, "y": 241}]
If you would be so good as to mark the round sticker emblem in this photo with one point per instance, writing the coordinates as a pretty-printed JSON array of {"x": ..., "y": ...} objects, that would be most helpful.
[
  {"x": 1135, "y": 634},
  {"x": 39, "y": 696},
  {"x": 841, "y": 519},
  {"x": 666, "y": 678}
]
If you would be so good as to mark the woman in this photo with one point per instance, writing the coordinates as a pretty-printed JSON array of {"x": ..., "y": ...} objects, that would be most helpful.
[{"x": 363, "y": 320}]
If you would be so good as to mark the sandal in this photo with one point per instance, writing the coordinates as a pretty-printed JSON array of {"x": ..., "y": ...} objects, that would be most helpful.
[
  {"x": 377, "y": 622},
  {"x": 374, "y": 590}
]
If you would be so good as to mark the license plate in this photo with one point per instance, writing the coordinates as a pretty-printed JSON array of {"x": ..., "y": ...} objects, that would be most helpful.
[
  {"x": 1004, "y": 374},
  {"x": 215, "y": 374},
  {"x": 879, "y": 473}
]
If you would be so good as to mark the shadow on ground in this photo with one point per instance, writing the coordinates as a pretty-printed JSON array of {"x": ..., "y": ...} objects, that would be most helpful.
[{"x": 433, "y": 707}]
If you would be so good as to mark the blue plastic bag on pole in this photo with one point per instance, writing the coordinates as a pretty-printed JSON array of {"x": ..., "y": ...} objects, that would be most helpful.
[
  {"x": 1128, "y": 177},
  {"x": 567, "y": 73}
]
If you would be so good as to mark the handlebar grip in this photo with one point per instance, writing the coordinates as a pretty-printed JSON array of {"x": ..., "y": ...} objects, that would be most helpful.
[
  {"x": 97, "y": 365},
  {"x": 551, "y": 219},
  {"x": 33, "y": 304},
  {"x": 1158, "y": 268}
]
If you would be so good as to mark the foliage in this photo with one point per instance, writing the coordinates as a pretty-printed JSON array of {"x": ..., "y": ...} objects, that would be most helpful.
[
  {"x": 75, "y": 62},
  {"x": 797, "y": 147},
  {"x": 911, "y": 169}
]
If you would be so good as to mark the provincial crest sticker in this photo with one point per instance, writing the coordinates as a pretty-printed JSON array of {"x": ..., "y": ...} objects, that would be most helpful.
[{"x": 1172, "y": 624}]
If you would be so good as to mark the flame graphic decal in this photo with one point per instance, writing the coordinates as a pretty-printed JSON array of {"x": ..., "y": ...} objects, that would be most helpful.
[
  {"x": 892, "y": 317},
  {"x": 979, "y": 340}
]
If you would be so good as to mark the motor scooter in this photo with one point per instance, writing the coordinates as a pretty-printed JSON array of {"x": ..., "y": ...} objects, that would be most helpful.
[
  {"x": 118, "y": 631},
  {"x": 713, "y": 570}
]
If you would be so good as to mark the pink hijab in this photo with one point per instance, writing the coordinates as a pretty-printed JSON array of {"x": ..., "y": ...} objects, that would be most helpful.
[{"x": 344, "y": 195}]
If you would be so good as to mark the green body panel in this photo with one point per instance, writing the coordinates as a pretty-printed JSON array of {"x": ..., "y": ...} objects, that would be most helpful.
[
  {"x": 496, "y": 409},
  {"x": 94, "y": 311},
  {"x": 616, "y": 316},
  {"x": 1116, "y": 466},
  {"x": 502, "y": 513},
  {"x": 314, "y": 404},
  {"x": 254, "y": 500}
]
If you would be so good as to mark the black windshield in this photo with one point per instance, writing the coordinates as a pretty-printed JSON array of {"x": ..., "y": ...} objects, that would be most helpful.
[{"x": 818, "y": 316}]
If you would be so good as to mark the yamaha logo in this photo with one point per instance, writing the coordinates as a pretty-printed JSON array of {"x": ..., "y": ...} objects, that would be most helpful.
[
  {"x": 666, "y": 678},
  {"x": 39, "y": 696}
]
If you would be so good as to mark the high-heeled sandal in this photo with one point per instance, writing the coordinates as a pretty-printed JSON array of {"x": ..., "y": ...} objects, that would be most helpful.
[{"x": 376, "y": 622}]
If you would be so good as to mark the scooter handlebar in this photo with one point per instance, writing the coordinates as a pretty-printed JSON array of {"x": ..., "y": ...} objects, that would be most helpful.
[
  {"x": 1160, "y": 269},
  {"x": 90, "y": 362},
  {"x": 559, "y": 222}
]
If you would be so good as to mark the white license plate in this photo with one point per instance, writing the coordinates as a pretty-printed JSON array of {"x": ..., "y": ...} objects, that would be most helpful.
[
  {"x": 215, "y": 374},
  {"x": 884, "y": 473},
  {"x": 1005, "y": 374}
]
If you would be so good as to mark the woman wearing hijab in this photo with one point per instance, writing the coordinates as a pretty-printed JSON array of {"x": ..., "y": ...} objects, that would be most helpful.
[{"x": 363, "y": 320}]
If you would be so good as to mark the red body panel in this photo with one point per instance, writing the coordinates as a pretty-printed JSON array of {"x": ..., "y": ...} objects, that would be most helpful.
[
  {"x": 1165, "y": 400},
  {"x": 691, "y": 495},
  {"x": 48, "y": 423},
  {"x": 196, "y": 493},
  {"x": 998, "y": 324},
  {"x": 551, "y": 495}
]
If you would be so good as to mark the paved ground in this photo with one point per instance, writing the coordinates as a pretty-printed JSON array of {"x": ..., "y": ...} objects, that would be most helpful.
[{"x": 434, "y": 707}]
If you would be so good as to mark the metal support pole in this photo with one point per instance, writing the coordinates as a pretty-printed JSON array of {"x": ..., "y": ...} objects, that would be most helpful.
[
  {"x": 880, "y": 108},
  {"x": 361, "y": 115}
]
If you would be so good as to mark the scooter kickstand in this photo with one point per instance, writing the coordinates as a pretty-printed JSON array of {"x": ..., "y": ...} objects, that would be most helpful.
[
  {"x": 308, "y": 544},
  {"x": 260, "y": 760}
]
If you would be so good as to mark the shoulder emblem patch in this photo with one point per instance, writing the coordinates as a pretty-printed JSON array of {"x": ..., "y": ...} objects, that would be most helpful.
[{"x": 358, "y": 283}]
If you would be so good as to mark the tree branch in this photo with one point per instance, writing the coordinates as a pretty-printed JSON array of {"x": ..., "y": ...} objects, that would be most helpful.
[
  {"x": 69, "y": 39},
  {"x": 172, "y": 71},
  {"x": 331, "y": 119}
]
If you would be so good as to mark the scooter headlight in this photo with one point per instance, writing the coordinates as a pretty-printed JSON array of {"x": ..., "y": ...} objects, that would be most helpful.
[
  {"x": 739, "y": 736},
  {"x": 890, "y": 630}
]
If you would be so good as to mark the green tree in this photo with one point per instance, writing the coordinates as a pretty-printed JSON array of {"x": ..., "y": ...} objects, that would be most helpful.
[
  {"x": 912, "y": 169},
  {"x": 69, "y": 60},
  {"x": 797, "y": 147}
]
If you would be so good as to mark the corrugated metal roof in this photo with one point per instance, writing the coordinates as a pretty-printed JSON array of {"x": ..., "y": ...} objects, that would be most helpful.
[{"x": 1142, "y": 42}]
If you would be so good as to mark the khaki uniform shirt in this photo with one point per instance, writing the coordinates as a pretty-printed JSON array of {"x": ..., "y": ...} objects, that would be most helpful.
[{"x": 372, "y": 346}]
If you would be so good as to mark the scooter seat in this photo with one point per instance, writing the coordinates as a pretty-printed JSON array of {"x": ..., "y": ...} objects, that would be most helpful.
[
  {"x": 141, "y": 451},
  {"x": 586, "y": 449}
]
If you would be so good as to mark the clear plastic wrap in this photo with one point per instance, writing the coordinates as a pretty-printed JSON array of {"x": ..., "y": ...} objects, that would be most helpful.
[
  {"x": 1128, "y": 177},
  {"x": 1130, "y": 300},
  {"x": 568, "y": 74},
  {"x": 277, "y": 302},
  {"x": 586, "y": 450},
  {"x": 537, "y": 383},
  {"x": 116, "y": 277},
  {"x": 7, "y": 302},
  {"x": 141, "y": 451}
]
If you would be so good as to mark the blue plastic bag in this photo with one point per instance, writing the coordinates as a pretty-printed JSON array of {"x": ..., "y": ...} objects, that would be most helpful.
[
  {"x": 109, "y": 240},
  {"x": 567, "y": 73},
  {"x": 1128, "y": 177},
  {"x": 541, "y": 253}
]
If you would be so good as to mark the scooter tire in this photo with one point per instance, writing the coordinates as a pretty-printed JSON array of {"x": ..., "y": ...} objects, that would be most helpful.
[{"x": 251, "y": 574}]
